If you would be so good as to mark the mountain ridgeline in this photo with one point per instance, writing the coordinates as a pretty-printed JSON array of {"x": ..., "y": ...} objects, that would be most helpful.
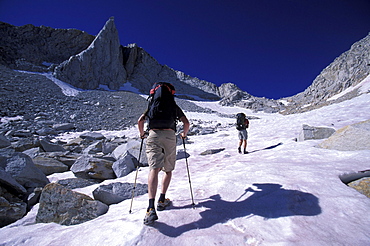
[{"x": 86, "y": 61}]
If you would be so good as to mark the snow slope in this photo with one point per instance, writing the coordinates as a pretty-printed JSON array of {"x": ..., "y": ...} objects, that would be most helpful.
[{"x": 282, "y": 193}]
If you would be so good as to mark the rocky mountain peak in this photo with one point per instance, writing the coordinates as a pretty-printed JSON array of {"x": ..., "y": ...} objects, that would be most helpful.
[{"x": 99, "y": 64}]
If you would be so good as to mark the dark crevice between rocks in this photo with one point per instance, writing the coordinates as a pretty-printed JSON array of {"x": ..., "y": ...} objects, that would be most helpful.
[{"x": 360, "y": 181}]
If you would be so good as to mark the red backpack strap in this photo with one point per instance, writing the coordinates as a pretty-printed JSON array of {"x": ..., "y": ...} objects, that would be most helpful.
[
  {"x": 169, "y": 86},
  {"x": 154, "y": 88}
]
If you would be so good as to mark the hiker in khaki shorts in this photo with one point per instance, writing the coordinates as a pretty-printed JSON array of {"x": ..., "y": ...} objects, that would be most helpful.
[{"x": 162, "y": 114}]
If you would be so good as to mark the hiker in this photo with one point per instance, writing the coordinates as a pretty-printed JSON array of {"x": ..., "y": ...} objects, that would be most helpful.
[
  {"x": 162, "y": 114},
  {"x": 242, "y": 123}
]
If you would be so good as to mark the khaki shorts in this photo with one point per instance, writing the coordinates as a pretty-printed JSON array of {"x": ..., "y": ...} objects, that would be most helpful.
[{"x": 161, "y": 149}]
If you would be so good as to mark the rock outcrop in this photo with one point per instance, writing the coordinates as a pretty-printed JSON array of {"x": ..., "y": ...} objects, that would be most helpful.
[
  {"x": 21, "y": 167},
  {"x": 132, "y": 148},
  {"x": 89, "y": 167},
  {"x": 4, "y": 142},
  {"x": 12, "y": 206},
  {"x": 66, "y": 207},
  {"x": 49, "y": 165},
  {"x": 313, "y": 132},
  {"x": 117, "y": 192},
  {"x": 19, "y": 178},
  {"x": 362, "y": 186},
  {"x": 125, "y": 165},
  {"x": 99, "y": 64},
  {"x": 350, "y": 138}
]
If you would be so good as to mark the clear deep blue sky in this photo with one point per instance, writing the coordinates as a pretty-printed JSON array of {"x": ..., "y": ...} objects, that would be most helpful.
[{"x": 270, "y": 48}]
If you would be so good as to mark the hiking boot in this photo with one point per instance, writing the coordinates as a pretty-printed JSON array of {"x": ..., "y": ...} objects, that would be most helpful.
[
  {"x": 245, "y": 152},
  {"x": 239, "y": 150},
  {"x": 150, "y": 217},
  {"x": 162, "y": 205}
]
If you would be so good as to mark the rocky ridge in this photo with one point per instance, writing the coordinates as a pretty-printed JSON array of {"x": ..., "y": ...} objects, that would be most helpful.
[
  {"x": 143, "y": 70},
  {"x": 346, "y": 71},
  {"x": 72, "y": 56},
  {"x": 33, "y": 48}
]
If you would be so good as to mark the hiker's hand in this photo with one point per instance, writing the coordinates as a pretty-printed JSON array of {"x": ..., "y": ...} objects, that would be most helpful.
[
  {"x": 144, "y": 135},
  {"x": 183, "y": 135}
]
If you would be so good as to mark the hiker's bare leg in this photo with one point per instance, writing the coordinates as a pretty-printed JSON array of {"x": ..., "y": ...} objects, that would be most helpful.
[
  {"x": 245, "y": 145},
  {"x": 166, "y": 181},
  {"x": 240, "y": 143},
  {"x": 153, "y": 182}
]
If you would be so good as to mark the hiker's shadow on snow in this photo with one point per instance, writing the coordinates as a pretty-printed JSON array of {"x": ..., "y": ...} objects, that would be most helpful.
[
  {"x": 269, "y": 147},
  {"x": 268, "y": 201}
]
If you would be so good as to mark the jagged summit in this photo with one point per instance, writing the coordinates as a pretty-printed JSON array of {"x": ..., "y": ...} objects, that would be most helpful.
[{"x": 99, "y": 64}]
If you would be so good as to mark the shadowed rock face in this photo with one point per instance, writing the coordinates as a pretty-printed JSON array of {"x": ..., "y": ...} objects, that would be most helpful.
[{"x": 29, "y": 44}]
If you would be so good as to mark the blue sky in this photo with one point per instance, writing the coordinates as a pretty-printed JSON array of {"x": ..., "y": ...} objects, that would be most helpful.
[{"x": 270, "y": 48}]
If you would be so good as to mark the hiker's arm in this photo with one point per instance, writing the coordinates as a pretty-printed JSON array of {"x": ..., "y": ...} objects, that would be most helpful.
[
  {"x": 186, "y": 123},
  {"x": 247, "y": 123},
  {"x": 140, "y": 125}
]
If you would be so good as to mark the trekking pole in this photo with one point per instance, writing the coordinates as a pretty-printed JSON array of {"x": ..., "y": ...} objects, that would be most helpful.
[
  {"x": 137, "y": 170},
  {"x": 187, "y": 167}
]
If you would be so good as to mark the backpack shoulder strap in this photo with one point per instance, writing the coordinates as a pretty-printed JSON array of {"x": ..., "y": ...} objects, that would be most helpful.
[{"x": 166, "y": 85}]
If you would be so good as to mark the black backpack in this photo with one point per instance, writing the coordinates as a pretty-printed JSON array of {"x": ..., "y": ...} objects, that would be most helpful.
[
  {"x": 162, "y": 106},
  {"x": 240, "y": 121}
]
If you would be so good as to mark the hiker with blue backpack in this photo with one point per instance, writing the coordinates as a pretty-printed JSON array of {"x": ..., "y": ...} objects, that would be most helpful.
[
  {"x": 242, "y": 123},
  {"x": 162, "y": 114}
]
